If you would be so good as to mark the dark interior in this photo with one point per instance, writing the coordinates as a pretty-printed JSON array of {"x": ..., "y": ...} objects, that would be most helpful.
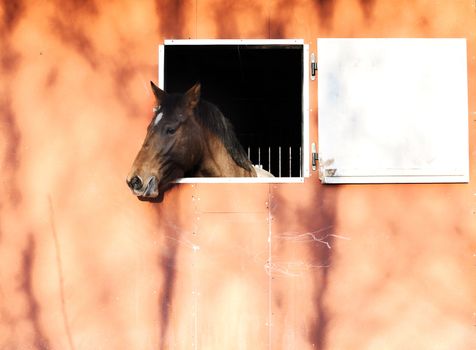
[{"x": 259, "y": 88}]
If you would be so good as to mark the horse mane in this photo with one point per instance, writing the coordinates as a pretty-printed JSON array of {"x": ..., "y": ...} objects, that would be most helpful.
[{"x": 210, "y": 117}]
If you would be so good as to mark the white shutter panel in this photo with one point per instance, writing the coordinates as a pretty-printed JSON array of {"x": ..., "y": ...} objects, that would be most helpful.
[{"x": 393, "y": 110}]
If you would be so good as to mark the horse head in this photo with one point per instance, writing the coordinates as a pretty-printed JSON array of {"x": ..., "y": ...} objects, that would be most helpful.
[{"x": 173, "y": 144}]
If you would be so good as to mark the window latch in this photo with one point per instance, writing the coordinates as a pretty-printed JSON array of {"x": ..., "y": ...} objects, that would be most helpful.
[{"x": 313, "y": 66}]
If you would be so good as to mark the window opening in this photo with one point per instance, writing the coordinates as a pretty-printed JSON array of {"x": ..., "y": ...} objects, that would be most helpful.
[{"x": 259, "y": 87}]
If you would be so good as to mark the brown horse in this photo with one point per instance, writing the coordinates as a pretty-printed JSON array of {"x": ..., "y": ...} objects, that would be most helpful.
[{"x": 187, "y": 137}]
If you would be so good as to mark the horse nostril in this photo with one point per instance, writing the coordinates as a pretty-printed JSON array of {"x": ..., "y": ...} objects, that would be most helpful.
[{"x": 135, "y": 183}]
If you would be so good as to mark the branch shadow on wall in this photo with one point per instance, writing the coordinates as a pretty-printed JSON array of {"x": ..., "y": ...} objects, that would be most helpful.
[
  {"x": 168, "y": 218},
  {"x": 316, "y": 217},
  {"x": 40, "y": 339}
]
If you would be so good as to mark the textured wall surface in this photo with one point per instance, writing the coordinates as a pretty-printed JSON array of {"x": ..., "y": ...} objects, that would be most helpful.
[{"x": 85, "y": 265}]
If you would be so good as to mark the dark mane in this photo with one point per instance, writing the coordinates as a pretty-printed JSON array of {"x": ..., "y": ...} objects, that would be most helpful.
[{"x": 213, "y": 119}]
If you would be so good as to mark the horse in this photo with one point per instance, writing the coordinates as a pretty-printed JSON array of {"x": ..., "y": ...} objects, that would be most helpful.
[{"x": 187, "y": 137}]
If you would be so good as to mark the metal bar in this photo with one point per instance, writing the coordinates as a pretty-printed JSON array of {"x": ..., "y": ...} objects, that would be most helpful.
[
  {"x": 290, "y": 157},
  {"x": 279, "y": 159},
  {"x": 259, "y": 156},
  {"x": 249, "y": 153},
  {"x": 269, "y": 159},
  {"x": 300, "y": 161}
]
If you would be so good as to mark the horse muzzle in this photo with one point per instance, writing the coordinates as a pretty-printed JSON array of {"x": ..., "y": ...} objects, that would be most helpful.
[{"x": 147, "y": 189}]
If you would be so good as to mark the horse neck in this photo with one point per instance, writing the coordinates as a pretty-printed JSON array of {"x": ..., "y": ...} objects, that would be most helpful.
[{"x": 217, "y": 161}]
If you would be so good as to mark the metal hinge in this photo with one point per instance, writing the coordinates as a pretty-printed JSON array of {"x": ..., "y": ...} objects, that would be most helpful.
[
  {"x": 315, "y": 156},
  {"x": 313, "y": 66}
]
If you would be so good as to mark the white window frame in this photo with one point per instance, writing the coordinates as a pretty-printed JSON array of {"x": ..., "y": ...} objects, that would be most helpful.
[
  {"x": 350, "y": 71},
  {"x": 305, "y": 105}
]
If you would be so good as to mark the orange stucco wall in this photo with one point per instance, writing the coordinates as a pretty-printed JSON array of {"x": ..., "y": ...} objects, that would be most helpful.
[{"x": 85, "y": 265}]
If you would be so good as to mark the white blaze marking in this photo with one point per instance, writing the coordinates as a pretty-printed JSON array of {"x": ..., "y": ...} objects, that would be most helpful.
[{"x": 158, "y": 118}]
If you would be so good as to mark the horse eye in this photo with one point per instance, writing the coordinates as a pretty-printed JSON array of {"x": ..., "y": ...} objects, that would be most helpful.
[{"x": 170, "y": 131}]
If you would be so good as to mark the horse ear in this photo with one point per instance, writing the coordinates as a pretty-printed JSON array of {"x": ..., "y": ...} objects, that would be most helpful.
[
  {"x": 192, "y": 96},
  {"x": 158, "y": 93}
]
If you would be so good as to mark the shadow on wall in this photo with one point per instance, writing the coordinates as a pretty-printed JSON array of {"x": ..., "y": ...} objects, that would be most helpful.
[
  {"x": 367, "y": 8},
  {"x": 40, "y": 340},
  {"x": 311, "y": 223},
  {"x": 327, "y": 16},
  {"x": 171, "y": 15},
  {"x": 68, "y": 24},
  {"x": 72, "y": 24},
  {"x": 10, "y": 60},
  {"x": 273, "y": 23},
  {"x": 169, "y": 226}
]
